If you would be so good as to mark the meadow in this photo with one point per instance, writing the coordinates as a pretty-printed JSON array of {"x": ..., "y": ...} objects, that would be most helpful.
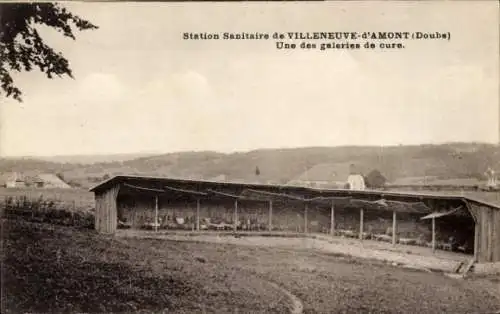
[
  {"x": 63, "y": 269},
  {"x": 69, "y": 199},
  {"x": 71, "y": 207}
]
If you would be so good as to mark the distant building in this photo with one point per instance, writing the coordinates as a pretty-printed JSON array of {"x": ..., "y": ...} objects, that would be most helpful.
[
  {"x": 44, "y": 180},
  {"x": 492, "y": 179},
  {"x": 326, "y": 175},
  {"x": 356, "y": 182},
  {"x": 219, "y": 178},
  {"x": 14, "y": 180},
  {"x": 49, "y": 181},
  {"x": 37, "y": 182}
]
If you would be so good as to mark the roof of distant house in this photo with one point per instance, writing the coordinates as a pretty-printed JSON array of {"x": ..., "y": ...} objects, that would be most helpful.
[
  {"x": 52, "y": 179},
  {"x": 326, "y": 172}
]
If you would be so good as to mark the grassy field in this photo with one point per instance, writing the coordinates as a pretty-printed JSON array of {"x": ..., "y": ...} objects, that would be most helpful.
[
  {"x": 62, "y": 269},
  {"x": 68, "y": 199}
]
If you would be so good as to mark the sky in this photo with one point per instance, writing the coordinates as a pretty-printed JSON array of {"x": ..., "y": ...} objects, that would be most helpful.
[{"x": 139, "y": 87}]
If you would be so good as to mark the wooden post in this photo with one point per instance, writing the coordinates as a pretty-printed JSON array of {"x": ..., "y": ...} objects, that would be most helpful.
[
  {"x": 394, "y": 227},
  {"x": 156, "y": 213},
  {"x": 433, "y": 235},
  {"x": 270, "y": 215},
  {"x": 361, "y": 214},
  {"x": 235, "y": 215},
  {"x": 490, "y": 234},
  {"x": 305, "y": 217},
  {"x": 332, "y": 220},
  {"x": 476, "y": 242},
  {"x": 198, "y": 214}
]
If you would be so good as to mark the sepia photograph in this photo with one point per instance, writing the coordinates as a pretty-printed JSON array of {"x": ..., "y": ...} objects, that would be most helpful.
[{"x": 250, "y": 157}]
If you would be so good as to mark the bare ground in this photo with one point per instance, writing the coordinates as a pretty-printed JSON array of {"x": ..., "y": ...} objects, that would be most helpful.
[
  {"x": 62, "y": 269},
  {"x": 404, "y": 255}
]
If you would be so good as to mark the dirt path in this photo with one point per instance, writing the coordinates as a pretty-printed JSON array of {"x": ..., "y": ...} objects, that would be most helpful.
[{"x": 295, "y": 304}]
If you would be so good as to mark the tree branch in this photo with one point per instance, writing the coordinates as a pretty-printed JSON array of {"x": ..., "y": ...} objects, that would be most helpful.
[{"x": 21, "y": 46}]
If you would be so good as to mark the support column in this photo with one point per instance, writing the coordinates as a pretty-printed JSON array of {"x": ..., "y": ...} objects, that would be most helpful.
[
  {"x": 270, "y": 216},
  {"x": 198, "y": 214},
  {"x": 361, "y": 222},
  {"x": 332, "y": 220},
  {"x": 476, "y": 242},
  {"x": 305, "y": 217},
  {"x": 156, "y": 213},
  {"x": 490, "y": 235},
  {"x": 235, "y": 215},
  {"x": 433, "y": 235},
  {"x": 394, "y": 226}
]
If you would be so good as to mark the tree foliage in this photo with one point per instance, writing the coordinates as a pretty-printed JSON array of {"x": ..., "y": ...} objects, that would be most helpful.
[
  {"x": 23, "y": 49},
  {"x": 375, "y": 179}
]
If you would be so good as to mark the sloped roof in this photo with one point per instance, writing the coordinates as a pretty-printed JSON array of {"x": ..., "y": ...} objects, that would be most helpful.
[
  {"x": 51, "y": 179},
  {"x": 11, "y": 176},
  {"x": 4, "y": 178},
  {"x": 31, "y": 178},
  {"x": 284, "y": 191},
  {"x": 326, "y": 172},
  {"x": 221, "y": 177}
]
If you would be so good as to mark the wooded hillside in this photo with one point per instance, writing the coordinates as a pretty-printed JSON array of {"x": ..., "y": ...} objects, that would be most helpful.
[{"x": 447, "y": 161}]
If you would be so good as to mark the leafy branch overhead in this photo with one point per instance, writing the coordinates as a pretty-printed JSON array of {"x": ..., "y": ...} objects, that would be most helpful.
[{"x": 23, "y": 49}]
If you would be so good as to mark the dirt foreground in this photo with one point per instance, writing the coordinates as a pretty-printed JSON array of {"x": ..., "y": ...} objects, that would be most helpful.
[
  {"x": 401, "y": 255},
  {"x": 61, "y": 269}
]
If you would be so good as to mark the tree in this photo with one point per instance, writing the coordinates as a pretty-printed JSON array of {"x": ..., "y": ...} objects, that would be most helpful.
[
  {"x": 257, "y": 171},
  {"x": 375, "y": 179},
  {"x": 21, "y": 46}
]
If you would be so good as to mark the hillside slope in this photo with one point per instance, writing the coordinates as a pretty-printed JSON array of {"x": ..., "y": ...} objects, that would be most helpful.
[{"x": 446, "y": 161}]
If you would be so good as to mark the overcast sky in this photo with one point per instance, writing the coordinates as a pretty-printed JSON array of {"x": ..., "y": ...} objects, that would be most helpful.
[{"x": 140, "y": 88}]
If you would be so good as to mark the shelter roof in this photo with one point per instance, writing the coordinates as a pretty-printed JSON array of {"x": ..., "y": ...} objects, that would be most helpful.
[{"x": 411, "y": 201}]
